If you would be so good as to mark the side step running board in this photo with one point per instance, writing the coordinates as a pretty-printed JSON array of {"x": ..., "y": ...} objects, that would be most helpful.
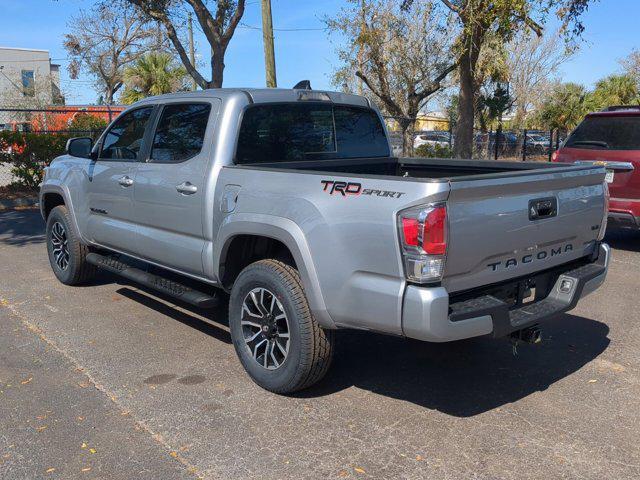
[{"x": 156, "y": 282}]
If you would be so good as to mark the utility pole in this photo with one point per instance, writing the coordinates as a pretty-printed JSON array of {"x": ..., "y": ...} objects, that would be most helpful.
[
  {"x": 192, "y": 54},
  {"x": 267, "y": 38},
  {"x": 360, "y": 52}
]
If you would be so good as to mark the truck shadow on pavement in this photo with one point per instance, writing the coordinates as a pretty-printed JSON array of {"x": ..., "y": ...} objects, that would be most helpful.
[
  {"x": 463, "y": 378},
  {"x": 19, "y": 228},
  {"x": 623, "y": 239},
  {"x": 188, "y": 315}
]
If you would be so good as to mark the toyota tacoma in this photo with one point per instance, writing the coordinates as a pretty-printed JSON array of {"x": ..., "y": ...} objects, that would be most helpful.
[{"x": 291, "y": 202}]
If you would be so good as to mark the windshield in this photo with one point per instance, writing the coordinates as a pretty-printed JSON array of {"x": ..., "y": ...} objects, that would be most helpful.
[
  {"x": 309, "y": 131},
  {"x": 607, "y": 133}
]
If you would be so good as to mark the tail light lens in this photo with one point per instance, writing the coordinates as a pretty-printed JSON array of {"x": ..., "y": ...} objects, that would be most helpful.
[
  {"x": 605, "y": 216},
  {"x": 554, "y": 156},
  {"x": 423, "y": 237}
]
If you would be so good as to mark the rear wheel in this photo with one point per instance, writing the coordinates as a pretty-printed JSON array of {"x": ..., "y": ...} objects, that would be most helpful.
[
  {"x": 280, "y": 344},
  {"x": 67, "y": 255}
]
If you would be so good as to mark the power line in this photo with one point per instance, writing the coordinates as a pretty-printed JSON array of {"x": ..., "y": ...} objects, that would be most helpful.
[{"x": 252, "y": 27}]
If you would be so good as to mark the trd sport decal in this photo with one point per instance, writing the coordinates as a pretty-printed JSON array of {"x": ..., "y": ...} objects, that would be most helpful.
[{"x": 355, "y": 188}]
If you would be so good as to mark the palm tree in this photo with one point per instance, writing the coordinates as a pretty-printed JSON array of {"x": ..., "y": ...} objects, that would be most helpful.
[
  {"x": 154, "y": 74},
  {"x": 615, "y": 90}
]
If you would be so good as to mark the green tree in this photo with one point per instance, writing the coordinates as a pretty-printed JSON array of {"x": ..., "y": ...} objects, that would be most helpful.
[
  {"x": 154, "y": 74},
  {"x": 480, "y": 20},
  {"x": 492, "y": 98},
  {"x": 614, "y": 90},
  {"x": 87, "y": 122},
  {"x": 564, "y": 107},
  {"x": 218, "y": 20}
]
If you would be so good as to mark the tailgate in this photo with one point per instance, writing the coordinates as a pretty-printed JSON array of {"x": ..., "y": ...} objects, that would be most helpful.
[{"x": 508, "y": 225}]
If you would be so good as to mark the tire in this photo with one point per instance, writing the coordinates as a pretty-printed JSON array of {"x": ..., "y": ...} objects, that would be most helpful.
[
  {"x": 75, "y": 270},
  {"x": 309, "y": 349}
]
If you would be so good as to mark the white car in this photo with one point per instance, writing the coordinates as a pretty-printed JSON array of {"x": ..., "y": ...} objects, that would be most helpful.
[
  {"x": 441, "y": 139},
  {"x": 537, "y": 141}
]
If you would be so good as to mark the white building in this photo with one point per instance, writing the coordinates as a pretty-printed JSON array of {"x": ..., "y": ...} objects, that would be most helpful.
[{"x": 28, "y": 79}]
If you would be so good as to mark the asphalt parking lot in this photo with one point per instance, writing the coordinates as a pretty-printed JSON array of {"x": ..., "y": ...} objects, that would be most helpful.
[{"x": 110, "y": 381}]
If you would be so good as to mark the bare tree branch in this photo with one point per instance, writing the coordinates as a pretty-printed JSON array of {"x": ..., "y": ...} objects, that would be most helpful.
[
  {"x": 402, "y": 56},
  {"x": 103, "y": 40},
  {"x": 451, "y": 6}
]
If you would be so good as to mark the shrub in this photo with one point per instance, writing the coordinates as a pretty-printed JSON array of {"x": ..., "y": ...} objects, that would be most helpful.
[
  {"x": 29, "y": 153},
  {"x": 433, "y": 151},
  {"x": 86, "y": 122}
]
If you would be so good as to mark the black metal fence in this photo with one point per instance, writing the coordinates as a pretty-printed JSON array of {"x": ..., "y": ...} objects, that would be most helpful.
[
  {"x": 499, "y": 144},
  {"x": 524, "y": 145}
]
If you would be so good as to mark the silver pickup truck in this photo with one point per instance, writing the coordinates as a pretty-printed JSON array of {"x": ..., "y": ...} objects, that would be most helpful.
[{"x": 290, "y": 201}]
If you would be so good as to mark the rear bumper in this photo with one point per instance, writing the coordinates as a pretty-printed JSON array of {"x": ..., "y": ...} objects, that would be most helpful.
[
  {"x": 427, "y": 314},
  {"x": 624, "y": 213},
  {"x": 623, "y": 220}
]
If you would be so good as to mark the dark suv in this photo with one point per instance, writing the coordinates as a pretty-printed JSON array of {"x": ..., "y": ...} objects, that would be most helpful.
[{"x": 611, "y": 138}]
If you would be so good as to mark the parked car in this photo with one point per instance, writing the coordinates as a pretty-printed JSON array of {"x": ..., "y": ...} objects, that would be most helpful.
[
  {"x": 537, "y": 143},
  {"x": 486, "y": 142},
  {"x": 290, "y": 201},
  {"x": 611, "y": 138},
  {"x": 433, "y": 138}
]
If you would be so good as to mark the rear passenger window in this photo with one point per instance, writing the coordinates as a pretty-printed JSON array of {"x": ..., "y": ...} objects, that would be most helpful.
[{"x": 180, "y": 132}]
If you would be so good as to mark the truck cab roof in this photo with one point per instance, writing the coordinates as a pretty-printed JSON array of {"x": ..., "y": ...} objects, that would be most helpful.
[{"x": 265, "y": 95}]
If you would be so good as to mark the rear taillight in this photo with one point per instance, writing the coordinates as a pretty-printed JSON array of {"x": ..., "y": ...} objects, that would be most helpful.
[
  {"x": 605, "y": 215},
  {"x": 423, "y": 237},
  {"x": 554, "y": 156}
]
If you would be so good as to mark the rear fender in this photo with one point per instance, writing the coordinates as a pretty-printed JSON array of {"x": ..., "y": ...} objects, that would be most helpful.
[{"x": 285, "y": 231}]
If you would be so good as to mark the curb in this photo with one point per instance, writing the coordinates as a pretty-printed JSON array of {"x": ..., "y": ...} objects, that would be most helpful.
[{"x": 18, "y": 202}]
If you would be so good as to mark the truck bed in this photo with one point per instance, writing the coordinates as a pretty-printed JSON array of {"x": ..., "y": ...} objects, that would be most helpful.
[
  {"x": 424, "y": 168},
  {"x": 492, "y": 235}
]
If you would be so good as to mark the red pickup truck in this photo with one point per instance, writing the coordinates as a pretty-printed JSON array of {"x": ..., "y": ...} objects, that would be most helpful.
[{"x": 611, "y": 138}]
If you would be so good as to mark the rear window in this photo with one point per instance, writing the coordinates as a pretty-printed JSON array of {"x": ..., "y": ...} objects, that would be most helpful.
[
  {"x": 309, "y": 131},
  {"x": 607, "y": 133},
  {"x": 180, "y": 132}
]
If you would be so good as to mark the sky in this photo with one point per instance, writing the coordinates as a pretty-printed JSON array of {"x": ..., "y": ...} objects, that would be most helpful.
[{"x": 306, "y": 52}]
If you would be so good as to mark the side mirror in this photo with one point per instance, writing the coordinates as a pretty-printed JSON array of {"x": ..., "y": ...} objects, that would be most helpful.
[{"x": 79, "y": 147}]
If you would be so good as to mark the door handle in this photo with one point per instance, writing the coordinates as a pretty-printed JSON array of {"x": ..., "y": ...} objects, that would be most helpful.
[
  {"x": 186, "y": 188},
  {"x": 125, "y": 181},
  {"x": 543, "y": 208}
]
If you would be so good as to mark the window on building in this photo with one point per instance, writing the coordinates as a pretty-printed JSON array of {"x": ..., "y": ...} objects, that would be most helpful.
[
  {"x": 28, "y": 84},
  {"x": 180, "y": 132}
]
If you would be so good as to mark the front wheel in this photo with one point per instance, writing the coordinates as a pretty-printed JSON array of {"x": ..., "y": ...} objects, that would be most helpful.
[
  {"x": 279, "y": 343},
  {"x": 67, "y": 254}
]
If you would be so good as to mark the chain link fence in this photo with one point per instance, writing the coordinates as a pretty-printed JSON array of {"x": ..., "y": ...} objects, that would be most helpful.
[
  {"x": 6, "y": 177},
  {"x": 31, "y": 137},
  {"x": 23, "y": 155}
]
